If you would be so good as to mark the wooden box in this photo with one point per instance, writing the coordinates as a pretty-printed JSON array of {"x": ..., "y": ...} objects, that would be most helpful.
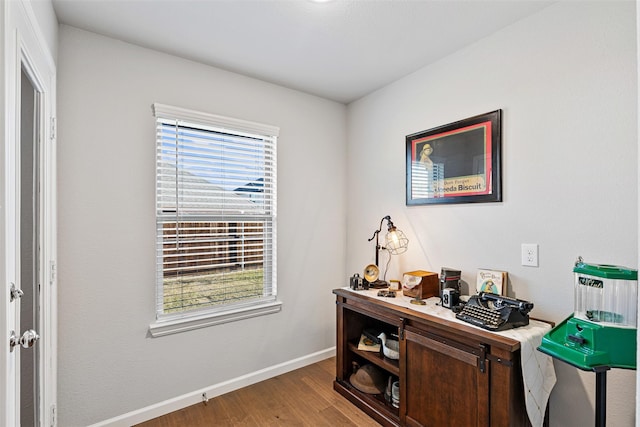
[{"x": 427, "y": 284}]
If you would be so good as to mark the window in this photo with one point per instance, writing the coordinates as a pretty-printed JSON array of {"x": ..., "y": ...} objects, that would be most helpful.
[{"x": 215, "y": 219}]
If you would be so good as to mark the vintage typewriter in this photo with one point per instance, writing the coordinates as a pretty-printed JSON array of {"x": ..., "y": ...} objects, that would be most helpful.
[{"x": 495, "y": 312}]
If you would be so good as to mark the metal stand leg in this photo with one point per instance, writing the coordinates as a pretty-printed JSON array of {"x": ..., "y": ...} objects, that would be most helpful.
[{"x": 601, "y": 395}]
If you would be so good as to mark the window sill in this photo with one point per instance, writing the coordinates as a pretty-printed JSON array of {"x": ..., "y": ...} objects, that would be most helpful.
[{"x": 164, "y": 327}]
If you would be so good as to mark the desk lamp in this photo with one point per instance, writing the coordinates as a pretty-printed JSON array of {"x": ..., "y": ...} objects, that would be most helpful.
[{"x": 395, "y": 242}]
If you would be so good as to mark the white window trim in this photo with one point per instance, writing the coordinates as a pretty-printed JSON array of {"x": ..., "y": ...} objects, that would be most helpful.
[
  {"x": 164, "y": 327},
  {"x": 183, "y": 322}
]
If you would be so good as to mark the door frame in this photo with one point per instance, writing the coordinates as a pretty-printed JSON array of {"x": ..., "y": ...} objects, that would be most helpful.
[{"x": 23, "y": 45}]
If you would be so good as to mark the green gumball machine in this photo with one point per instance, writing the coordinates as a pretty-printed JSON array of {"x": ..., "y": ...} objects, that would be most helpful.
[{"x": 601, "y": 332}]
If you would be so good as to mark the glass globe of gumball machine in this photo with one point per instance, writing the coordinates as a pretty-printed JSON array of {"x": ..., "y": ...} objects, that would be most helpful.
[{"x": 601, "y": 332}]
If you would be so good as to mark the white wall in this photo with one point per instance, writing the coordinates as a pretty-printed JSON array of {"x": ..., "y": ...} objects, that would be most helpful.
[
  {"x": 108, "y": 365},
  {"x": 566, "y": 82},
  {"x": 638, "y": 332},
  {"x": 47, "y": 23}
]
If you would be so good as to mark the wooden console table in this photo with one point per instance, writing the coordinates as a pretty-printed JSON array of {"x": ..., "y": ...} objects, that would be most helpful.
[{"x": 450, "y": 373}]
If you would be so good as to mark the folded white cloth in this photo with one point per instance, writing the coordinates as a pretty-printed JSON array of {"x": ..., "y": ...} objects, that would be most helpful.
[{"x": 538, "y": 373}]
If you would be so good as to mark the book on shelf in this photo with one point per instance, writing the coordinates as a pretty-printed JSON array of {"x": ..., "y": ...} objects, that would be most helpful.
[
  {"x": 367, "y": 344},
  {"x": 491, "y": 281}
]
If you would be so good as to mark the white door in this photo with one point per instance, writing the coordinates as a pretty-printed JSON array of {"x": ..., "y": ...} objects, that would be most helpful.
[{"x": 27, "y": 217}]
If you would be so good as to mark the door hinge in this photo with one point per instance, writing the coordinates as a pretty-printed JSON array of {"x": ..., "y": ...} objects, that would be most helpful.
[
  {"x": 53, "y": 128},
  {"x": 52, "y": 272},
  {"x": 53, "y": 415}
]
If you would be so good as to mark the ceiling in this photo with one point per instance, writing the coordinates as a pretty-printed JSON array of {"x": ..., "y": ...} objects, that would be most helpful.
[{"x": 339, "y": 49}]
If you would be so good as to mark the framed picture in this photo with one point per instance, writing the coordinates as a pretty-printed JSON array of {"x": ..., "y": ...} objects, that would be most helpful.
[
  {"x": 491, "y": 281},
  {"x": 456, "y": 163}
]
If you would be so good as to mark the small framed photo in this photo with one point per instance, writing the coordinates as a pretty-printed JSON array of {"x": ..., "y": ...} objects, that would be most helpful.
[
  {"x": 456, "y": 163},
  {"x": 491, "y": 281}
]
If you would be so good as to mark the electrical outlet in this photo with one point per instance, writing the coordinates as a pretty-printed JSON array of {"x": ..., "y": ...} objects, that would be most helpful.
[{"x": 530, "y": 254}]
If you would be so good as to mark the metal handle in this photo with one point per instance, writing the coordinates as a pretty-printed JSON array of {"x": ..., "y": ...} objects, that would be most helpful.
[
  {"x": 14, "y": 293},
  {"x": 577, "y": 339},
  {"x": 27, "y": 340}
]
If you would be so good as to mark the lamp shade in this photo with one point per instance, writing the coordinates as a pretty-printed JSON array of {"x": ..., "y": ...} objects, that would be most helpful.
[{"x": 396, "y": 242}]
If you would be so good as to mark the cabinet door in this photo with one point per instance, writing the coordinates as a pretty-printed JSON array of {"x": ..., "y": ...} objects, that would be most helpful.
[{"x": 446, "y": 382}]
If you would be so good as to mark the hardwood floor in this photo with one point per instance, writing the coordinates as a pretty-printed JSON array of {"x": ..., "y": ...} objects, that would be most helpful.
[{"x": 304, "y": 397}]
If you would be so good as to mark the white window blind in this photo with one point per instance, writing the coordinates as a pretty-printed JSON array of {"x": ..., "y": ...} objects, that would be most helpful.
[{"x": 215, "y": 212}]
